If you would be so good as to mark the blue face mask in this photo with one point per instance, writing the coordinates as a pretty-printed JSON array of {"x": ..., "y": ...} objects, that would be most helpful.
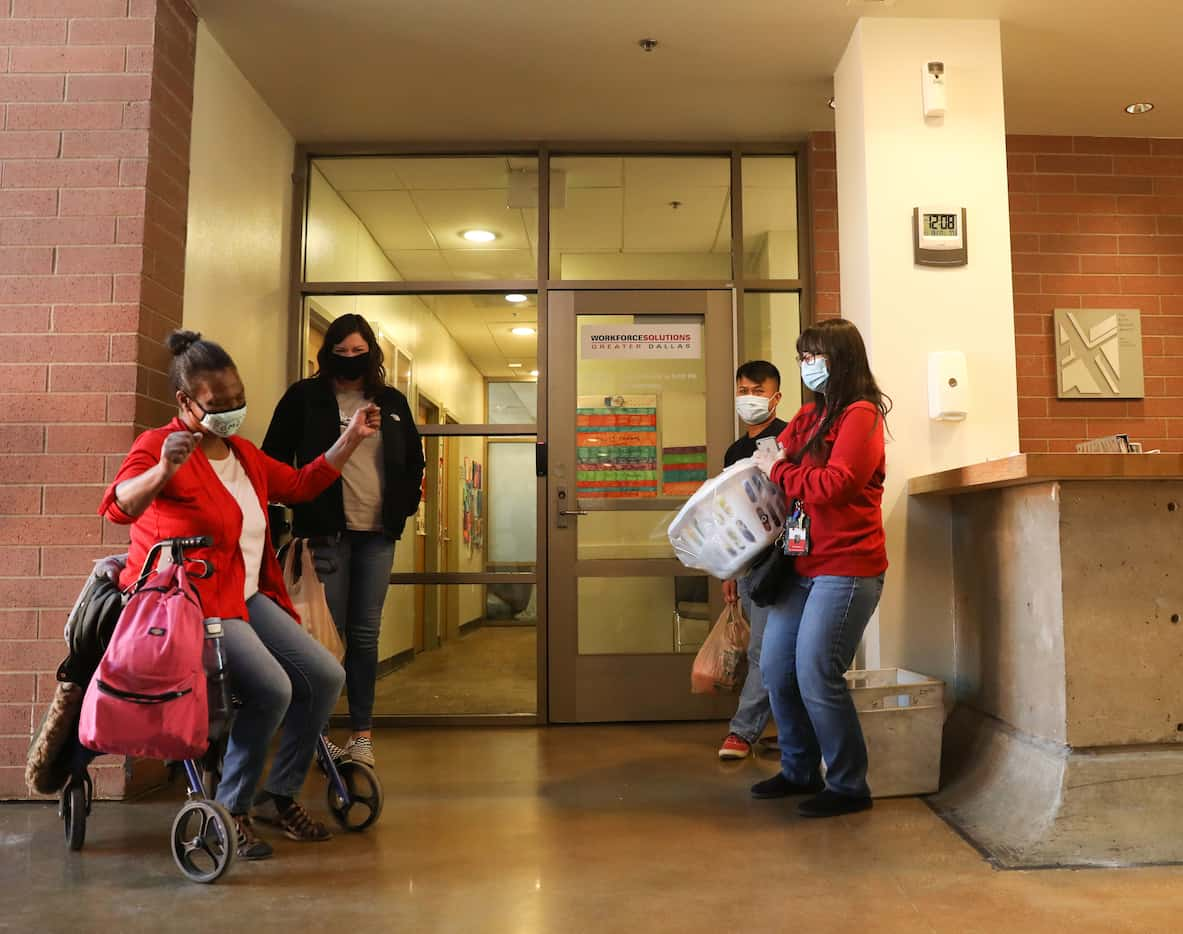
[{"x": 815, "y": 374}]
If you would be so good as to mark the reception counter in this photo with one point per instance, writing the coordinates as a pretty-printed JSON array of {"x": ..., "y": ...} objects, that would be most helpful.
[{"x": 1066, "y": 743}]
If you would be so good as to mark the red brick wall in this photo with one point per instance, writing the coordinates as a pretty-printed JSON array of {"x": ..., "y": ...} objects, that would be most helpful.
[
  {"x": 1097, "y": 223},
  {"x": 95, "y": 97},
  {"x": 823, "y": 219}
]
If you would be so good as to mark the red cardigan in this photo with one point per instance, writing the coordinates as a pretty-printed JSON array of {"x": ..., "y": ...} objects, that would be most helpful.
[
  {"x": 196, "y": 502},
  {"x": 843, "y": 495}
]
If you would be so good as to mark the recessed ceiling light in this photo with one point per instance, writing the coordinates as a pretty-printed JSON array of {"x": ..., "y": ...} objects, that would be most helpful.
[
  {"x": 514, "y": 366},
  {"x": 832, "y": 104},
  {"x": 533, "y": 372},
  {"x": 516, "y": 298},
  {"x": 1140, "y": 107},
  {"x": 522, "y": 331},
  {"x": 478, "y": 236}
]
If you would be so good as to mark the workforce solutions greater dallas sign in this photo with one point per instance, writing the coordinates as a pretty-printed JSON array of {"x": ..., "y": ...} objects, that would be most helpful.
[{"x": 640, "y": 342}]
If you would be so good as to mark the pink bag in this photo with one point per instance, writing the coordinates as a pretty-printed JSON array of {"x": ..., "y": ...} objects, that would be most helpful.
[
  {"x": 722, "y": 663},
  {"x": 148, "y": 697}
]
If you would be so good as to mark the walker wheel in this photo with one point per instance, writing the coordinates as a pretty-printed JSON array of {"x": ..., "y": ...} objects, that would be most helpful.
[
  {"x": 204, "y": 841},
  {"x": 364, "y": 806},
  {"x": 73, "y": 808}
]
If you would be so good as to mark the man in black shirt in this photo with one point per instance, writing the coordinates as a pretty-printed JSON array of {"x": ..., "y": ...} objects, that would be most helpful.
[{"x": 757, "y": 392}]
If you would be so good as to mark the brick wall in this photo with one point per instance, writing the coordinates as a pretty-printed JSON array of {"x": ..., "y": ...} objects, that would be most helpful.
[
  {"x": 823, "y": 218},
  {"x": 1097, "y": 223},
  {"x": 95, "y": 97}
]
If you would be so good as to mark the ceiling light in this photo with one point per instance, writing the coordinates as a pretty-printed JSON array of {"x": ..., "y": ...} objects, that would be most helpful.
[
  {"x": 533, "y": 372},
  {"x": 478, "y": 236},
  {"x": 516, "y": 298},
  {"x": 1141, "y": 107},
  {"x": 523, "y": 331},
  {"x": 514, "y": 366}
]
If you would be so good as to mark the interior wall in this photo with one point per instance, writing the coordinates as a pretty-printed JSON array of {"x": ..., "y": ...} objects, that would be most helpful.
[
  {"x": 341, "y": 248},
  {"x": 238, "y": 257},
  {"x": 1097, "y": 223}
]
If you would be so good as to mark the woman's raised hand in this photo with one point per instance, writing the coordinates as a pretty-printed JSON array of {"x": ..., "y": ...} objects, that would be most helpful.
[{"x": 365, "y": 422}]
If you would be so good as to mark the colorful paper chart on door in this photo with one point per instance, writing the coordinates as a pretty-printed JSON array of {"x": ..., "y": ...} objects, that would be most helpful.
[{"x": 617, "y": 447}]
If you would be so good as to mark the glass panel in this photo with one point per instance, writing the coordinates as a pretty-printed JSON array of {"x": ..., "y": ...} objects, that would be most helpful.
[
  {"x": 642, "y": 615},
  {"x": 513, "y": 403},
  {"x": 444, "y": 347},
  {"x": 626, "y": 534},
  {"x": 641, "y": 406},
  {"x": 640, "y": 217},
  {"x": 770, "y": 217},
  {"x": 512, "y": 514},
  {"x": 457, "y": 649},
  {"x": 771, "y": 324},
  {"x": 380, "y": 218}
]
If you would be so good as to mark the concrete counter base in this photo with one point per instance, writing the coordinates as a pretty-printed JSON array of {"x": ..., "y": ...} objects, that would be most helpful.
[{"x": 1029, "y": 803}]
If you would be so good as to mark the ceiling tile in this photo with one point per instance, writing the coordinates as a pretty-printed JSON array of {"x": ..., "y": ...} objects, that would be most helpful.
[
  {"x": 491, "y": 264},
  {"x": 392, "y": 219},
  {"x": 483, "y": 172},
  {"x": 591, "y": 221},
  {"x": 421, "y": 265},
  {"x": 652, "y": 224},
  {"x": 591, "y": 171},
  {"x": 676, "y": 171},
  {"x": 449, "y": 212},
  {"x": 366, "y": 174}
]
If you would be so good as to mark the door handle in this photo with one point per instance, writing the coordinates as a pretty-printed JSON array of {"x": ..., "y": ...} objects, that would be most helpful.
[{"x": 564, "y": 514}]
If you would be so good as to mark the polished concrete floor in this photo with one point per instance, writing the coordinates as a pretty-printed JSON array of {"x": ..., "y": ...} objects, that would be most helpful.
[
  {"x": 573, "y": 829},
  {"x": 491, "y": 670}
]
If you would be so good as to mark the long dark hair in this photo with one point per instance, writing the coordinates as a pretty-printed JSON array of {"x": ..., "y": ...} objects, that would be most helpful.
[
  {"x": 341, "y": 328},
  {"x": 850, "y": 379}
]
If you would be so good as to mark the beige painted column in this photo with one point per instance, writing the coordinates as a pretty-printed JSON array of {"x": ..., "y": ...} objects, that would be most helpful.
[{"x": 891, "y": 160}]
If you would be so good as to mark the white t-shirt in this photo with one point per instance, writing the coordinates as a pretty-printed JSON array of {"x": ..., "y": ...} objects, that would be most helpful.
[
  {"x": 362, "y": 477},
  {"x": 254, "y": 523}
]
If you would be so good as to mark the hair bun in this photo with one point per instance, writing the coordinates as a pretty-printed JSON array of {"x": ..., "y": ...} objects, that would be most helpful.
[{"x": 180, "y": 341}]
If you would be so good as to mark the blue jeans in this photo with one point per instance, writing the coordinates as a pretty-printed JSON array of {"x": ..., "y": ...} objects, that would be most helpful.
[
  {"x": 751, "y": 716},
  {"x": 280, "y": 674},
  {"x": 813, "y": 632},
  {"x": 355, "y": 592}
]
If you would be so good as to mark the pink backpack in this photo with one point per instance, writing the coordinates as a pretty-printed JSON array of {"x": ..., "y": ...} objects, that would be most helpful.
[{"x": 148, "y": 697}]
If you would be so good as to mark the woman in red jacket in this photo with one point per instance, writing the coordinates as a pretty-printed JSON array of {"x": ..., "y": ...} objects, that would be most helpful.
[
  {"x": 194, "y": 477},
  {"x": 831, "y": 463}
]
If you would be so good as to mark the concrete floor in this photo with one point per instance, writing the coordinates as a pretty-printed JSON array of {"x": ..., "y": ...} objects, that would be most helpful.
[
  {"x": 491, "y": 670},
  {"x": 578, "y": 829}
]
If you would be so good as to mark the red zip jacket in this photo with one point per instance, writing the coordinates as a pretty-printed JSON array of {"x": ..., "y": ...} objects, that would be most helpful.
[
  {"x": 196, "y": 502},
  {"x": 843, "y": 496}
]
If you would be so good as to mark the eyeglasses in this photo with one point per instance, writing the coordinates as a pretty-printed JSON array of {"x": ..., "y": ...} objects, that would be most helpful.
[{"x": 810, "y": 357}]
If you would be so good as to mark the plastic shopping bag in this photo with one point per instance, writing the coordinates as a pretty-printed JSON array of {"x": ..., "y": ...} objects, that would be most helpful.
[
  {"x": 308, "y": 597},
  {"x": 722, "y": 663}
]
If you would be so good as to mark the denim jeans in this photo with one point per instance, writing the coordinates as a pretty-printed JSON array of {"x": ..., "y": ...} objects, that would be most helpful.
[
  {"x": 812, "y": 634},
  {"x": 355, "y": 591},
  {"x": 280, "y": 674},
  {"x": 751, "y": 716}
]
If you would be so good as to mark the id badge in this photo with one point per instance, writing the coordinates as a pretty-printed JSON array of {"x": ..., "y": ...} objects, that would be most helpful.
[{"x": 797, "y": 532}]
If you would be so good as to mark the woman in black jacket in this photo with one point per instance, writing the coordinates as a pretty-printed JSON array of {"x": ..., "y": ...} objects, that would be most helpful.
[{"x": 357, "y": 520}]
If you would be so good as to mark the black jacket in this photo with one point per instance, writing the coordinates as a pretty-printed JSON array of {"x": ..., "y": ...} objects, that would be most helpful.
[{"x": 307, "y": 423}]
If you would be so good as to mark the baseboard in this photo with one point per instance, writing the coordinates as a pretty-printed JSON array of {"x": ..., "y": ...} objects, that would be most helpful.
[{"x": 472, "y": 626}]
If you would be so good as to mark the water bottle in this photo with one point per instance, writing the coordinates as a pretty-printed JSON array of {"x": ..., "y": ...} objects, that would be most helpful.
[{"x": 214, "y": 660}]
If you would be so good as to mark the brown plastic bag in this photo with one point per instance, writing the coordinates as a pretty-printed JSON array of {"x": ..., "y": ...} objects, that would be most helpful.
[
  {"x": 722, "y": 663},
  {"x": 308, "y": 597}
]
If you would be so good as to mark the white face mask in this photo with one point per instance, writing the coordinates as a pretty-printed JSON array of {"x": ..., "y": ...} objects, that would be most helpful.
[
  {"x": 753, "y": 410},
  {"x": 223, "y": 424}
]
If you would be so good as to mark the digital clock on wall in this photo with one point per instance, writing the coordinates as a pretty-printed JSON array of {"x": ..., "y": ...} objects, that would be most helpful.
[{"x": 938, "y": 237}]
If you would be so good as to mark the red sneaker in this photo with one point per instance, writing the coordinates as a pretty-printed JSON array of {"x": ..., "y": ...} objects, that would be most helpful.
[{"x": 735, "y": 747}]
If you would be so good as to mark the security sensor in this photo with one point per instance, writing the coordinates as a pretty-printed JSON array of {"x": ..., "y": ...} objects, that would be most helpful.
[{"x": 933, "y": 84}]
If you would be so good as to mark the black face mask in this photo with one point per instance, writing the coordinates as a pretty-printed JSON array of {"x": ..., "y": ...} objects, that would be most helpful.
[{"x": 350, "y": 367}]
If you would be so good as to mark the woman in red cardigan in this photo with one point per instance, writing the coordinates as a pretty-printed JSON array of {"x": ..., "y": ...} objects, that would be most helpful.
[
  {"x": 831, "y": 462},
  {"x": 195, "y": 477}
]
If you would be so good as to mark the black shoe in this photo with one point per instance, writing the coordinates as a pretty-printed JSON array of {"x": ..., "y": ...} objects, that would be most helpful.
[
  {"x": 831, "y": 804},
  {"x": 249, "y": 845},
  {"x": 780, "y": 787}
]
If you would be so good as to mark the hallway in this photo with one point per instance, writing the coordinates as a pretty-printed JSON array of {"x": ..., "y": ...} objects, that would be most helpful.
[{"x": 586, "y": 829}]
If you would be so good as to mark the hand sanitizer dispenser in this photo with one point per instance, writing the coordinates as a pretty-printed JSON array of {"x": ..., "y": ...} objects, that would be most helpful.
[{"x": 948, "y": 386}]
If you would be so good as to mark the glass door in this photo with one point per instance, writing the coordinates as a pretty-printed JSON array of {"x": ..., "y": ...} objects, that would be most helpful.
[{"x": 640, "y": 414}]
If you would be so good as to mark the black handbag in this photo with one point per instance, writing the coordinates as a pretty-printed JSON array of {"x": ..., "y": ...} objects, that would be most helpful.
[{"x": 771, "y": 573}]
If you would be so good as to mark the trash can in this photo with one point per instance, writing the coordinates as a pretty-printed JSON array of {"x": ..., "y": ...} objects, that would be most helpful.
[{"x": 902, "y": 714}]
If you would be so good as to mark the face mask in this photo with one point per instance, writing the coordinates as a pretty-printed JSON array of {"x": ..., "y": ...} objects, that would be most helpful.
[
  {"x": 753, "y": 410},
  {"x": 815, "y": 374},
  {"x": 351, "y": 367},
  {"x": 222, "y": 424}
]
